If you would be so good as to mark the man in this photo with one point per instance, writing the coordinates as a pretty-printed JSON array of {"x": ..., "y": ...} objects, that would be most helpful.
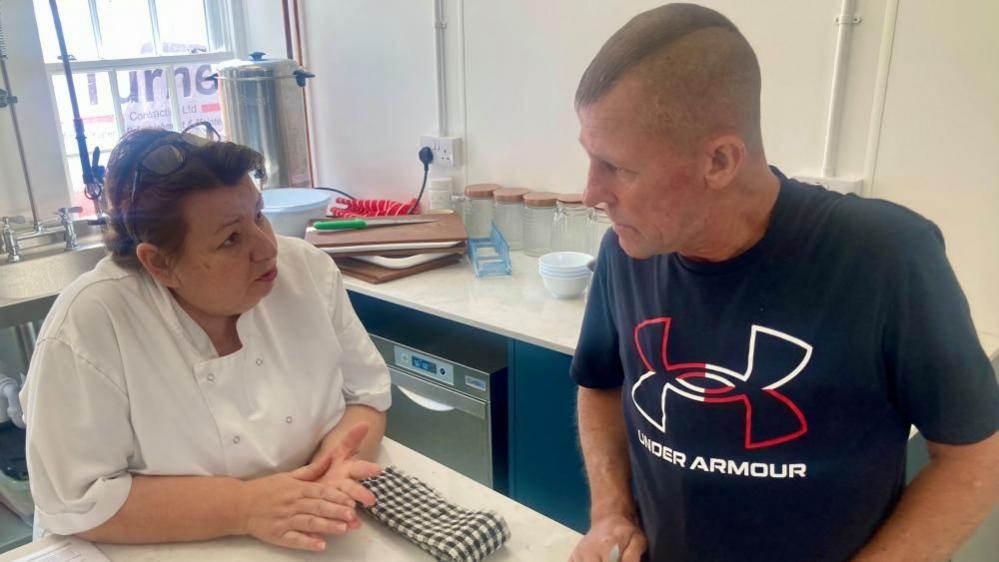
[{"x": 755, "y": 349}]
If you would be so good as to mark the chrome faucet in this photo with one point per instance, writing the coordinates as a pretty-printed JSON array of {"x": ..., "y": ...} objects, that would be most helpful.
[
  {"x": 66, "y": 221},
  {"x": 10, "y": 241}
]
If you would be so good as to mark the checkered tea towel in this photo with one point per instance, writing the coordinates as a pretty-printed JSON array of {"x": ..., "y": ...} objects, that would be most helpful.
[{"x": 418, "y": 513}]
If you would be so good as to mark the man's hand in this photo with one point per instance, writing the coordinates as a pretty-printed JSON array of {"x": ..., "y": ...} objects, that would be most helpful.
[
  {"x": 346, "y": 469},
  {"x": 293, "y": 510},
  {"x": 604, "y": 534}
]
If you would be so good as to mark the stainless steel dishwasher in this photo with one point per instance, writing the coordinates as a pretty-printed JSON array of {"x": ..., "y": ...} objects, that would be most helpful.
[
  {"x": 446, "y": 410},
  {"x": 449, "y": 388}
]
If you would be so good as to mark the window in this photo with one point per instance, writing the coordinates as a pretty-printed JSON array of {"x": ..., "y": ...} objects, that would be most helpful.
[{"x": 135, "y": 63}]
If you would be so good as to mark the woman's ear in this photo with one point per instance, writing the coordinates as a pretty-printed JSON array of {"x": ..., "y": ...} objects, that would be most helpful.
[{"x": 157, "y": 264}]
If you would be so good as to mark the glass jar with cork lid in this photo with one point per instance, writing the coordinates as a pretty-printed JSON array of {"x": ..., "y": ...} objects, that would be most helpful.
[
  {"x": 569, "y": 225},
  {"x": 509, "y": 215},
  {"x": 478, "y": 215},
  {"x": 539, "y": 218}
]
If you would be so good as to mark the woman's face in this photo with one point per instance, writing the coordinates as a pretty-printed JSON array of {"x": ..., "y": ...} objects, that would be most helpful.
[{"x": 228, "y": 261}]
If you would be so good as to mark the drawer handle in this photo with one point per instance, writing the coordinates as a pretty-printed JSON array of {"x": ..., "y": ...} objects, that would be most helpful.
[{"x": 425, "y": 402}]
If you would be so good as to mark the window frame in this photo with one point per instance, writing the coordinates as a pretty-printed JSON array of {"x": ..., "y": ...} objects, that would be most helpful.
[
  {"x": 168, "y": 63},
  {"x": 226, "y": 32}
]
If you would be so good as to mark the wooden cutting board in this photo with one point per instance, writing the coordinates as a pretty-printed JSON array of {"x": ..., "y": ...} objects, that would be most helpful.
[
  {"x": 446, "y": 228},
  {"x": 377, "y": 274},
  {"x": 460, "y": 248}
]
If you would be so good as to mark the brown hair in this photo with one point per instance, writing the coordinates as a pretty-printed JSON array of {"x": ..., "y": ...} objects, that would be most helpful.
[
  {"x": 155, "y": 215},
  {"x": 701, "y": 74}
]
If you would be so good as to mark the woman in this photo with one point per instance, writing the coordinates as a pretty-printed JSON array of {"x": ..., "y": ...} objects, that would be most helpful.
[{"x": 208, "y": 378}]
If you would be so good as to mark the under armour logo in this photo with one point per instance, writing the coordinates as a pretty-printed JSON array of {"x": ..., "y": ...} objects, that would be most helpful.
[{"x": 775, "y": 358}]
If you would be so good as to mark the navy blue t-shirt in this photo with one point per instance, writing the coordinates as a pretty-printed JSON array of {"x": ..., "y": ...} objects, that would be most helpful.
[{"x": 768, "y": 398}]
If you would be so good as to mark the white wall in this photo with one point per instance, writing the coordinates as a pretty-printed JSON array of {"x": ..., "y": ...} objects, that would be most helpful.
[
  {"x": 263, "y": 23},
  {"x": 373, "y": 95},
  {"x": 13, "y": 195},
  {"x": 524, "y": 61},
  {"x": 37, "y": 118},
  {"x": 940, "y": 137}
]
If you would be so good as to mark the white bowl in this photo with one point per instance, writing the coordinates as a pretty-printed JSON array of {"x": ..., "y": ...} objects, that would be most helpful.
[
  {"x": 567, "y": 273},
  {"x": 558, "y": 261},
  {"x": 566, "y": 287},
  {"x": 290, "y": 208}
]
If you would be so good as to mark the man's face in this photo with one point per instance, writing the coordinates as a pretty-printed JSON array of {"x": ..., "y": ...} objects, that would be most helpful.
[{"x": 654, "y": 194}]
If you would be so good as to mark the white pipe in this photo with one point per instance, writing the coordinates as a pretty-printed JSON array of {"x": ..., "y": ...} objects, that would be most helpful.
[
  {"x": 880, "y": 93},
  {"x": 463, "y": 90},
  {"x": 9, "y": 389},
  {"x": 834, "y": 117},
  {"x": 439, "y": 26}
]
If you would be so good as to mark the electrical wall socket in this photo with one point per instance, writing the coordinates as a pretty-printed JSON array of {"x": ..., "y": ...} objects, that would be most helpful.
[
  {"x": 842, "y": 185},
  {"x": 447, "y": 150}
]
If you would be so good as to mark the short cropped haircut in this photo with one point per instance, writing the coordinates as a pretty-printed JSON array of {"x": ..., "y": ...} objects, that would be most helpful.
[{"x": 700, "y": 72}]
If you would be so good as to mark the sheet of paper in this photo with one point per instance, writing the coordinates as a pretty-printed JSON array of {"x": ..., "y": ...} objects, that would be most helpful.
[{"x": 66, "y": 549}]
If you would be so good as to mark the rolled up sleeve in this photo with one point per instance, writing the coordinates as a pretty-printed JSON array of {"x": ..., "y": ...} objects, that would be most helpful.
[
  {"x": 79, "y": 440},
  {"x": 366, "y": 378}
]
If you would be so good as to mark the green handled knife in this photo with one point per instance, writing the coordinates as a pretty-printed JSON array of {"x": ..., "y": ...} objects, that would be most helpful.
[{"x": 353, "y": 224}]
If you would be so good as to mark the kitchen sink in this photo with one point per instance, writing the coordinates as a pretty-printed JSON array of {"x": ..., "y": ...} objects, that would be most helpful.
[{"x": 45, "y": 273}]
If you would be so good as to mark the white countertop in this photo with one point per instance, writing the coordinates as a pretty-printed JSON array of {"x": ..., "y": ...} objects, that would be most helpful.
[
  {"x": 534, "y": 537},
  {"x": 518, "y": 306}
]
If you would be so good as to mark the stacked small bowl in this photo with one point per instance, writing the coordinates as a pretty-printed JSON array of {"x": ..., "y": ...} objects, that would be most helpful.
[{"x": 565, "y": 274}]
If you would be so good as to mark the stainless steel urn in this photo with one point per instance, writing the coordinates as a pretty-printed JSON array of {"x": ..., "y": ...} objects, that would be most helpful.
[{"x": 263, "y": 108}]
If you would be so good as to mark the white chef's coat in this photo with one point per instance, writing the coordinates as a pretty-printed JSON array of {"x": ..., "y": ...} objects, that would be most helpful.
[{"x": 124, "y": 382}]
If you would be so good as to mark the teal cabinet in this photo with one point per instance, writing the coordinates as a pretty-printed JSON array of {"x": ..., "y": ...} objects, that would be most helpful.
[{"x": 546, "y": 466}]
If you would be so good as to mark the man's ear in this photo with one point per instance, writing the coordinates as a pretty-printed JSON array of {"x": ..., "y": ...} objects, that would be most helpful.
[
  {"x": 157, "y": 264},
  {"x": 725, "y": 156}
]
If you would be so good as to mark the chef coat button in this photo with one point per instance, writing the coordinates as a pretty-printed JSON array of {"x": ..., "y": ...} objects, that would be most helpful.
[
  {"x": 235, "y": 439},
  {"x": 260, "y": 361},
  {"x": 210, "y": 377},
  {"x": 287, "y": 419}
]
